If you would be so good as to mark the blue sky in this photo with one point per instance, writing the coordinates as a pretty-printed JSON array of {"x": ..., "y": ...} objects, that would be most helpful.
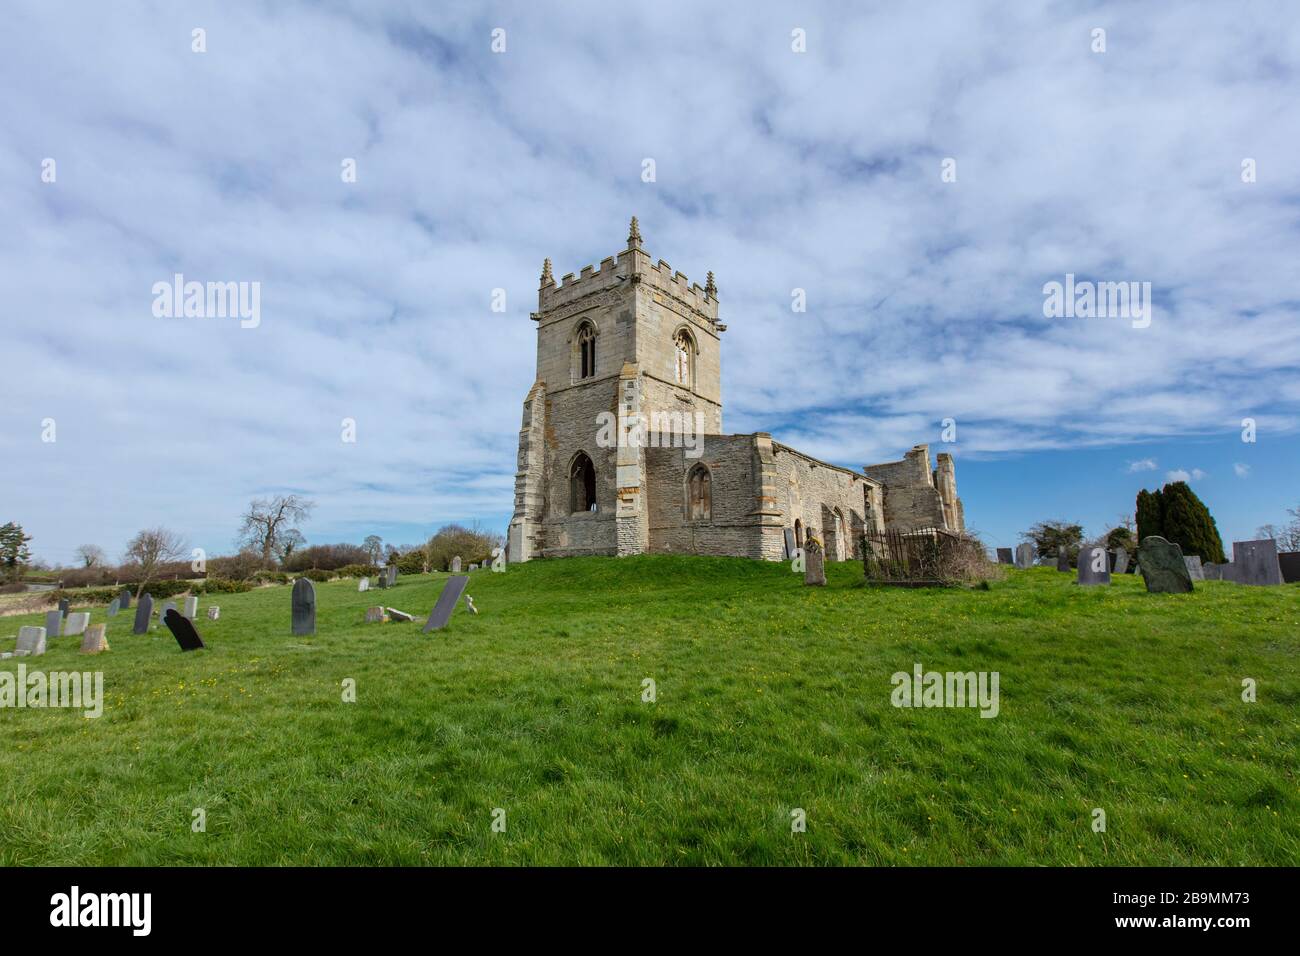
[{"x": 776, "y": 170}]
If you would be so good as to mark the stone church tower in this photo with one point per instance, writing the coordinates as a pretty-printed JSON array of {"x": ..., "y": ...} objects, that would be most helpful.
[{"x": 621, "y": 449}]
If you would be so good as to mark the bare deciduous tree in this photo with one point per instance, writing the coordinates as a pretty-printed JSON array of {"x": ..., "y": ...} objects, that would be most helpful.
[
  {"x": 290, "y": 542},
  {"x": 374, "y": 546},
  {"x": 149, "y": 549},
  {"x": 268, "y": 521},
  {"x": 91, "y": 555}
]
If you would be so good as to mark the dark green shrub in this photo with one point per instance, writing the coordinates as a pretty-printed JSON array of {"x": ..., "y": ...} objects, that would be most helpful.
[
  {"x": 357, "y": 571},
  {"x": 223, "y": 586},
  {"x": 317, "y": 575}
]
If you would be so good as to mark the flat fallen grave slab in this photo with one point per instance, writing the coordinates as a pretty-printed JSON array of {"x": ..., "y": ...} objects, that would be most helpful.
[
  {"x": 182, "y": 629},
  {"x": 395, "y": 615},
  {"x": 441, "y": 612}
]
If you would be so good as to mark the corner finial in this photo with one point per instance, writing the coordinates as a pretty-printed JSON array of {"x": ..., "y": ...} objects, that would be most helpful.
[
  {"x": 710, "y": 288},
  {"x": 547, "y": 278},
  {"x": 634, "y": 235}
]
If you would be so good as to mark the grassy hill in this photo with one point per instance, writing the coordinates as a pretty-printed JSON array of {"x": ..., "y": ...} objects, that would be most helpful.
[{"x": 770, "y": 697}]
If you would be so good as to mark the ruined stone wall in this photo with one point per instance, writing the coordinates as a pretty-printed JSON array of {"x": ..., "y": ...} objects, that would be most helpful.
[
  {"x": 811, "y": 491},
  {"x": 911, "y": 500}
]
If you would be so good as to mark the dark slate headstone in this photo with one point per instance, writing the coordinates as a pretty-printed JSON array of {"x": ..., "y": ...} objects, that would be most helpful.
[
  {"x": 1194, "y": 569},
  {"x": 1092, "y": 566},
  {"x": 1163, "y": 567},
  {"x": 789, "y": 543},
  {"x": 114, "y": 606},
  {"x": 1230, "y": 572},
  {"x": 1025, "y": 555},
  {"x": 1289, "y": 562},
  {"x": 53, "y": 623},
  {"x": 1004, "y": 556},
  {"x": 441, "y": 612},
  {"x": 1212, "y": 571},
  {"x": 182, "y": 629},
  {"x": 304, "y": 607},
  {"x": 125, "y": 598},
  {"x": 382, "y": 580},
  {"x": 1121, "y": 561},
  {"x": 1256, "y": 562},
  {"x": 1063, "y": 560},
  {"x": 143, "y": 611},
  {"x": 63, "y": 606}
]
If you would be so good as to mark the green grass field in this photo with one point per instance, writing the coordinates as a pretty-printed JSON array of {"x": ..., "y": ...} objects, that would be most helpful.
[{"x": 771, "y": 696}]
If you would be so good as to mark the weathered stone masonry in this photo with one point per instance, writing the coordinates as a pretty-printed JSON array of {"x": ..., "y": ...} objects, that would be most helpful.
[{"x": 632, "y": 341}]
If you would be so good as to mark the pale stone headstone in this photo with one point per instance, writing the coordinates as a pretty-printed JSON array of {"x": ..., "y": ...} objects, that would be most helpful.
[
  {"x": 191, "y": 608},
  {"x": 455, "y": 565},
  {"x": 1256, "y": 562},
  {"x": 473, "y": 567},
  {"x": 114, "y": 606},
  {"x": 363, "y": 584},
  {"x": 167, "y": 606},
  {"x": 76, "y": 623},
  {"x": 182, "y": 629},
  {"x": 1024, "y": 555},
  {"x": 446, "y": 603},
  {"x": 1093, "y": 566},
  {"x": 392, "y": 575},
  {"x": 1289, "y": 563},
  {"x": 304, "y": 607},
  {"x": 53, "y": 623},
  {"x": 1005, "y": 556},
  {"x": 31, "y": 641},
  {"x": 375, "y": 615},
  {"x": 143, "y": 611},
  {"x": 94, "y": 640},
  {"x": 1194, "y": 569},
  {"x": 395, "y": 615},
  {"x": 814, "y": 559},
  {"x": 469, "y": 603},
  {"x": 1121, "y": 561},
  {"x": 214, "y": 613},
  {"x": 1163, "y": 567}
]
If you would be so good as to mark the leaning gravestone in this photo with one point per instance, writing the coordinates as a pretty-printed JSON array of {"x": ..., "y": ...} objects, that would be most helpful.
[
  {"x": 1289, "y": 563},
  {"x": 76, "y": 623},
  {"x": 1024, "y": 555},
  {"x": 304, "y": 607},
  {"x": 814, "y": 568},
  {"x": 53, "y": 623},
  {"x": 31, "y": 641},
  {"x": 94, "y": 640},
  {"x": 1256, "y": 562},
  {"x": 1063, "y": 560},
  {"x": 125, "y": 598},
  {"x": 143, "y": 611},
  {"x": 191, "y": 608},
  {"x": 1121, "y": 561},
  {"x": 114, "y": 606},
  {"x": 1092, "y": 566},
  {"x": 1163, "y": 567},
  {"x": 182, "y": 629},
  {"x": 1004, "y": 556},
  {"x": 214, "y": 612},
  {"x": 451, "y": 593},
  {"x": 395, "y": 615},
  {"x": 789, "y": 543},
  {"x": 455, "y": 565},
  {"x": 363, "y": 585},
  {"x": 1194, "y": 569}
]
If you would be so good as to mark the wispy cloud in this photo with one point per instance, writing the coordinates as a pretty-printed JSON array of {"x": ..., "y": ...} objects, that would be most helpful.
[
  {"x": 1241, "y": 470},
  {"x": 1144, "y": 464},
  {"x": 1181, "y": 474}
]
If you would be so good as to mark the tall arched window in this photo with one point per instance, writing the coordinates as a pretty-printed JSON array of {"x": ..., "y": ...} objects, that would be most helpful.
[
  {"x": 683, "y": 352},
  {"x": 585, "y": 360},
  {"x": 699, "y": 494},
  {"x": 582, "y": 484}
]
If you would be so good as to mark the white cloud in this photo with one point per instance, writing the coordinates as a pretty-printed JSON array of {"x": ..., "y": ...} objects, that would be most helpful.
[
  {"x": 1241, "y": 470},
  {"x": 1181, "y": 474},
  {"x": 1144, "y": 464}
]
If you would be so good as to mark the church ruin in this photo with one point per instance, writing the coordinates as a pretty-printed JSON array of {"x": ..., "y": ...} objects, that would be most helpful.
[{"x": 622, "y": 450}]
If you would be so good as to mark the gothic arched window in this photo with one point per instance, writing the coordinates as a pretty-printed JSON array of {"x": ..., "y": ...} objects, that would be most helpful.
[
  {"x": 683, "y": 356},
  {"x": 582, "y": 484},
  {"x": 699, "y": 494},
  {"x": 585, "y": 361}
]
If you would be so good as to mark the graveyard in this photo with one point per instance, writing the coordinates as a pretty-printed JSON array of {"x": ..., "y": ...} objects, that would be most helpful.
[{"x": 769, "y": 697}]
